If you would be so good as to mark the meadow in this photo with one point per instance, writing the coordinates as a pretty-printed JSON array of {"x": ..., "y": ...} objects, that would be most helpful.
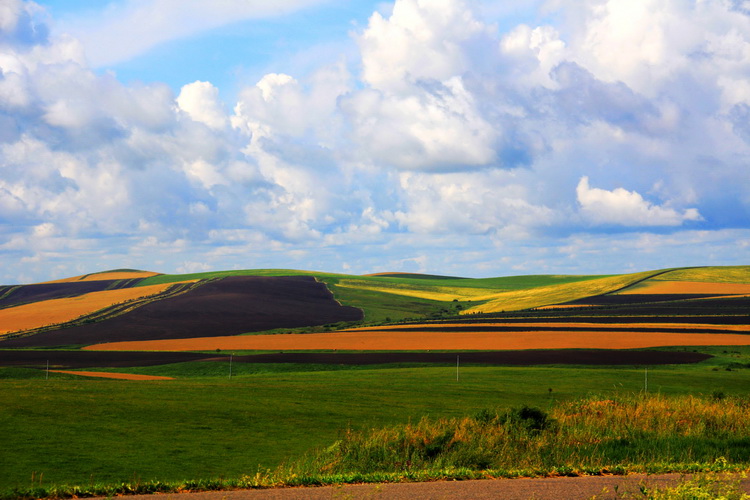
[{"x": 206, "y": 425}]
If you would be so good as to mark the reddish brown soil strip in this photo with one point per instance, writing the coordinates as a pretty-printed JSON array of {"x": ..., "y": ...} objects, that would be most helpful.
[
  {"x": 655, "y": 287},
  {"x": 118, "y": 376},
  {"x": 416, "y": 341},
  {"x": 229, "y": 306},
  {"x": 89, "y": 359},
  {"x": 116, "y": 275},
  {"x": 553, "y": 488}
]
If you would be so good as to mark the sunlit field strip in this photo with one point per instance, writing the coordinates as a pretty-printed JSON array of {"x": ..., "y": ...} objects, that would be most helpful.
[
  {"x": 716, "y": 274},
  {"x": 432, "y": 292},
  {"x": 571, "y": 325},
  {"x": 56, "y": 311},
  {"x": 654, "y": 287},
  {"x": 406, "y": 340},
  {"x": 118, "y": 376},
  {"x": 558, "y": 294},
  {"x": 117, "y": 275}
]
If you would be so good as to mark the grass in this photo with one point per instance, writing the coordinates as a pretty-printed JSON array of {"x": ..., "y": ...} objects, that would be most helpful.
[
  {"x": 595, "y": 433},
  {"x": 701, "y": 487},
  {"x": 71, "y": 430}
]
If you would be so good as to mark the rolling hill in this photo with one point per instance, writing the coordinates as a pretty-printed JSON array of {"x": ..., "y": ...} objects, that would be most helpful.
[{"x": 136, "y": 310}]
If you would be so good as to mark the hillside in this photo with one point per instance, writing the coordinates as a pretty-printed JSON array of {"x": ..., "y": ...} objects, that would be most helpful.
[{"x": 133, "y": 305}]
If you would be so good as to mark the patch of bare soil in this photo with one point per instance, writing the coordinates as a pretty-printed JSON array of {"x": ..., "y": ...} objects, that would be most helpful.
[
  {"x": 406, "y": 340},
  {"x": 655, "y": 287},
  {"x": 117, "y": 376}
]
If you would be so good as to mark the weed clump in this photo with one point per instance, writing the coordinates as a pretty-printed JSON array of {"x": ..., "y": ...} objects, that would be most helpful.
[{"x": 594, "y": 434}]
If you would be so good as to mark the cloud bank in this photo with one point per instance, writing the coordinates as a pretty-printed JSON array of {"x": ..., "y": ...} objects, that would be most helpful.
[{"x": 447, "y": 146}]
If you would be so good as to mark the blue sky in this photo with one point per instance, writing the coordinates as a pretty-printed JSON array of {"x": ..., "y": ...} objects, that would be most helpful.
[{"x": 473, "y": 138}]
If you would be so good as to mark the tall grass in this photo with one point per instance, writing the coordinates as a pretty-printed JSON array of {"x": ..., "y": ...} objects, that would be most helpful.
[{"x": 654, "y": 432}]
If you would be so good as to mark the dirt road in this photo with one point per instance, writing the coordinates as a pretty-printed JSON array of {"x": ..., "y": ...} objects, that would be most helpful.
[{"x": 562, "y": 488}]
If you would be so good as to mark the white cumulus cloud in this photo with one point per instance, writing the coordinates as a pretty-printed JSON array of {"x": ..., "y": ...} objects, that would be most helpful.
[{"x": 627, "y": 208}]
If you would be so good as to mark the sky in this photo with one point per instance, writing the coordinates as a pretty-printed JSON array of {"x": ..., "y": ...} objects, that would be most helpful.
[{"x": 457, "y": 137}]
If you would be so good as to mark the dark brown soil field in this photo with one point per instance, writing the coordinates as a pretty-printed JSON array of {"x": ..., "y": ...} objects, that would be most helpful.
[
  {"x": 88, "y": 359},
  {"x": 22, "y": 294},
  {"x": 515, "y": 358},
  {"x": 229, "y": 306}
]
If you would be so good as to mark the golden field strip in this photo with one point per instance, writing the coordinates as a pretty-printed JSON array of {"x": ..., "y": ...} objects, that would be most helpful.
[
  {"x": 56, "y": 311},
  {"x": 115, "y": 275},
  {"x": 556, "y": 294},
  {"x": 405, "y": 340},
  {"x": 117, "y": 376}
]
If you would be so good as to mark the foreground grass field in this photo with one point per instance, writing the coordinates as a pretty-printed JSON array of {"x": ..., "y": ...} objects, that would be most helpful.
[{"x": 204, "y": 425}]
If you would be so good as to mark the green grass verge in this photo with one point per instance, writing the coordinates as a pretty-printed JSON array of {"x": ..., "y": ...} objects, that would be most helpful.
[{"x": 73, "y": 430}]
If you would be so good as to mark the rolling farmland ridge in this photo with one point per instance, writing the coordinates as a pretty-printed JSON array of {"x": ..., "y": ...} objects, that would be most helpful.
[{"x": 138, "y": 377}]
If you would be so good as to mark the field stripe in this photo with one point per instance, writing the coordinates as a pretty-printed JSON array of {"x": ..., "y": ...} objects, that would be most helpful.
[
  {"x": 415, "y": 341},
  {"x": 566, "y": 326},
  {"x": 118, "y": 376},
  {"x": 56, "y": 311}
]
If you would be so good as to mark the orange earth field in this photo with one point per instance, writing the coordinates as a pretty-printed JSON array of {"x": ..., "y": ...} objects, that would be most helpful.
[
  {"x": 418, "y": 341},
  {"x": 116, "y": 275},
  {"x": 118, "y": 376},
  {"x": 55, "y": 311}
]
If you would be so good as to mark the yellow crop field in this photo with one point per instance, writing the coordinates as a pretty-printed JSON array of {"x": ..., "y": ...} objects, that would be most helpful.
[
  {"x": 56, "y": 311},
  {"x": 431, "y": 292},
  {"x": 556, "y": 294}
]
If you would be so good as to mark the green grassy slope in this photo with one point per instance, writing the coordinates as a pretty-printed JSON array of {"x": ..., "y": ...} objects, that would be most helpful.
[{"x": 73, "y": 430}]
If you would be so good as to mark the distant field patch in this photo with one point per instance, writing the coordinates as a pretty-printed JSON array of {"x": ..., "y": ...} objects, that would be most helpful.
[
  {"x": 430, "y": 292},
  {"x": 56, "y": 311},
  {"x": 558, "y": 325},
  {"x": 113, "y": 275},
  {"x": 118, "y": 376},
  {"x": 406, "y": 340},
  {"x": 658, "y": 287},
  {"x": 724, "y": 274},
  {"x": 558, "y": 294}
]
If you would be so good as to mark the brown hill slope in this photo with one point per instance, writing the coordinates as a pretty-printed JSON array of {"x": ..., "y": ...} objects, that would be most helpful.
[{"x": 228, "y": 306}]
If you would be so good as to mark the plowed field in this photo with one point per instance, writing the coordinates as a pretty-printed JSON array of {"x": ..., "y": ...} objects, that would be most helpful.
[
  {"x": 228, "y": 306},
  {"x": 406, "y": 340},
  {"x": 655, "y": 287},
  {"x": 55, "y": 311}
]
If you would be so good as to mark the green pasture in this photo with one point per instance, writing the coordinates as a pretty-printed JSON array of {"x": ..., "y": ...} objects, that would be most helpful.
[{"x": 73, "y": 430}]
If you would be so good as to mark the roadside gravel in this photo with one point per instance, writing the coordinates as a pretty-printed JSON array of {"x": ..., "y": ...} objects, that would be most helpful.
[{"x": 559, "y": 488}]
